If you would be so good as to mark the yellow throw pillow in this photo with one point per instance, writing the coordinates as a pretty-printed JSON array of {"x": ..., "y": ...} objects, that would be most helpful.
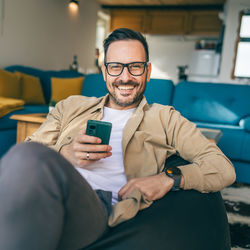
[
  {"x": 8, "y": 105},
  {"x": 31, "y": 89},
  {"x": 9, "y": 84},
  {"x": 65, "y": 87}
]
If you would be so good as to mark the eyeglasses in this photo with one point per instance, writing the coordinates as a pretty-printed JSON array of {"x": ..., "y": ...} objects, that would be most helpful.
[{"x": 134, "y": 68}]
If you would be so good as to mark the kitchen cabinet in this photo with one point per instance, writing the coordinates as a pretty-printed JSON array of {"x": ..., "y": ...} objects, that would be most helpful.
[
  {"x": 132, "y": 19},
  {"x": 204, "y": 22},
  {"x": 168, "y": 22}
]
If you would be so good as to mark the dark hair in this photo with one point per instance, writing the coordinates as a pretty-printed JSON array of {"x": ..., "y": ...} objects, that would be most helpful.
[{"x": 125, "y": 34}]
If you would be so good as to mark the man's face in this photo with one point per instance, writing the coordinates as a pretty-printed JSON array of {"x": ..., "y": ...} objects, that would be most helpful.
[{"x": 126, "y": 90}]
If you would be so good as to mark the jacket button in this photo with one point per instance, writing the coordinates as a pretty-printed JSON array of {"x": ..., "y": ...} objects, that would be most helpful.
[{"x": 69, "y": 137}]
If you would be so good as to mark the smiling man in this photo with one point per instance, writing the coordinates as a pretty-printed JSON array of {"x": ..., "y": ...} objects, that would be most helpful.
[{"x": 68, "y": 197}]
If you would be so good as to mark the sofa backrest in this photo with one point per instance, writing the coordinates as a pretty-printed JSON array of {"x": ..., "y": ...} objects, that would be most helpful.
[
  {"x": 212, "y": 102},
  {"x": 157, "y": 90},
  {"x": 45, "y": 76},
  {"x": 94, "y": 85}
]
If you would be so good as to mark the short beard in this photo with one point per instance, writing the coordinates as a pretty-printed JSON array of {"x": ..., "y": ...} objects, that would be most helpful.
[{"x": 137, "y": 99}]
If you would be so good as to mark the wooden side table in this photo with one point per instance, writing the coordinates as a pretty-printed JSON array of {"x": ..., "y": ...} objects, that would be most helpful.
[{"x": 27, "y": 124}]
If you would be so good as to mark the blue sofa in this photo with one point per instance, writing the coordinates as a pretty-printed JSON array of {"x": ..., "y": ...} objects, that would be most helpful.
[
  {"x": 209, "y": 105},
  {"x": 8, "y": 126}
]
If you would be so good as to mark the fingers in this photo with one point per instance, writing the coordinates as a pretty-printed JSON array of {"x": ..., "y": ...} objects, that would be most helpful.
[
  {"x": 127, "y": 189},
  {"x": 152, "y": 187},
  {"x": 90, "y": 156},
  {"x": 83, "y": 138},
  {"x": 87, "y": 143},
  {"x": 80, "y": 147},
  {"x": 87, "y": 149},
  {"x": 132, "y": 185},
  {"x": 84, "y": 159}
]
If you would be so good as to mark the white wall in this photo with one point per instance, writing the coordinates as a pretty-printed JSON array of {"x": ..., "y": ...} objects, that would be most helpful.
[
  {"x": 233, "y": 9},
  {"x": 43, "y": 34},
  {"x": 168, "y": 52}
]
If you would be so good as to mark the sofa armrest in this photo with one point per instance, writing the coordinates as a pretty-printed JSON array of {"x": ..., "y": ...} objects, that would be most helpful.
[{"x": 245, "y": 123}]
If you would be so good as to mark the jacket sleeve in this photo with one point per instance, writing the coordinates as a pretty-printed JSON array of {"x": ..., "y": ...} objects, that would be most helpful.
[
  {"x": 210, "y": 170},
  {"x": 50, "y": 130}
]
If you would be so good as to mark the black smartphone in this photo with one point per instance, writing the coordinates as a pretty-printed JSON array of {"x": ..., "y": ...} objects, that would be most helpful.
[{"x": 99, "y": 129}]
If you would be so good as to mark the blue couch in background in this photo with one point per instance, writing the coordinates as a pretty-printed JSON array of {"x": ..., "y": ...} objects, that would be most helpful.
[
  {"x": 209, "y": 105},
  {"x": 8, "y": 126}
]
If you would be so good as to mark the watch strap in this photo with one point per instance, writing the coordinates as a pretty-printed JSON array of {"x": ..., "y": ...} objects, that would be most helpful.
[{"x": 177, "y": 183}]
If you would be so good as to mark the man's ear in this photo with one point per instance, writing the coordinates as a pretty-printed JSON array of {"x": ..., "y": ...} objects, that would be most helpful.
[
  {"x": 149, "y": 68},
  {"x": 104, "y": 74}
]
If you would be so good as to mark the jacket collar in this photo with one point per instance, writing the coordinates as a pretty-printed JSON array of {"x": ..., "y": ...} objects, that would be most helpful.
[{"x": 100, "y": 104}]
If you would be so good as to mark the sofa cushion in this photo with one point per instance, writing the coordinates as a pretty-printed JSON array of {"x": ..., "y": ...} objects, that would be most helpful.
[
  {"x": 64, "y": 87},
  {"x": 60, "y": 74},
  {"x": 8, "y": 105},
  {"x": 37, "y": 73},
  {"x": 94, "y": 85},
  {"x": 212, "y": 102},
  {"x": 6, "y": 123},
  {"x": 159, "y": 91},
  {"x": 242, "y": 173},
  {"x": 31, "y": 89},
  {"x": 9, "y": 84}
]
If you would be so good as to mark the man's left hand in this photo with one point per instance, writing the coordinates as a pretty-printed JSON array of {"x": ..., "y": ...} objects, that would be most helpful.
[{"x": 152, "y": 187}]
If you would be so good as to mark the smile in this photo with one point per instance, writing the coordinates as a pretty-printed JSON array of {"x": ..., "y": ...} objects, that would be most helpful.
[{"x": 126, "y": 87}]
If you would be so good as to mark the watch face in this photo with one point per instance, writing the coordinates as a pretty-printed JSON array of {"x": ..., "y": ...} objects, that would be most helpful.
[
  {"x": 173, "y": 171},
  {"x": 175, "y": 174}
]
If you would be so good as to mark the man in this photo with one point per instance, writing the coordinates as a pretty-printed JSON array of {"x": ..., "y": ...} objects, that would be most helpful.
[{"x": 127, "y": 173}]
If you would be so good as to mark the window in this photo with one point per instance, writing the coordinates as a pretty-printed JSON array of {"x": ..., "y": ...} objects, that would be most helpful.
[{"x": 242, "y": 57}]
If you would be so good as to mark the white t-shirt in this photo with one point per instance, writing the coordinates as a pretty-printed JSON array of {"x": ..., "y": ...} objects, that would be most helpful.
[{"x": 108, "y": 174}]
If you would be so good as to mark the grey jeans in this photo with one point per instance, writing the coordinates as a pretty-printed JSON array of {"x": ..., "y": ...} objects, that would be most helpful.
[{"x": 45, "y": 203}]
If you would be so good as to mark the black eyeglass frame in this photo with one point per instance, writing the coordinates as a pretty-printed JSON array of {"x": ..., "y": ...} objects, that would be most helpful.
[{"x": 127, "y": 66}]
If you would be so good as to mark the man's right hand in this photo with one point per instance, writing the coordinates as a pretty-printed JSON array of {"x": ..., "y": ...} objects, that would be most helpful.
[{"x": 85, "y": 149}]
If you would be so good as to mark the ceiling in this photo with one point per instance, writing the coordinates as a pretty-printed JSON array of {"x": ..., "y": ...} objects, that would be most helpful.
[{"x": 141, "y": 3}]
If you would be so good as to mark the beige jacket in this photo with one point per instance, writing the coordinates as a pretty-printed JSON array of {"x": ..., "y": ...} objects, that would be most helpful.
[{"x": 151, "y": 135}]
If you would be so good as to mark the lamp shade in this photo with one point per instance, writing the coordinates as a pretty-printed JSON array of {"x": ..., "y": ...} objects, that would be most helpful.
[{"x": 73, "y": 5}]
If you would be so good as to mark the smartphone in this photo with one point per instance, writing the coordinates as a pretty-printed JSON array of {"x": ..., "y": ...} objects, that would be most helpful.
[{"x": 99, "y": 129}]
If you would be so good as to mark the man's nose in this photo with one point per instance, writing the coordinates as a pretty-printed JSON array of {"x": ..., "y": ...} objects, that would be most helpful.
[{"x": 125, "y": 75}]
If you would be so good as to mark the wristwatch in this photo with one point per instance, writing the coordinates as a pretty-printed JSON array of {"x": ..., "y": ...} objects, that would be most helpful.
[{"x": 175, "y": 174}]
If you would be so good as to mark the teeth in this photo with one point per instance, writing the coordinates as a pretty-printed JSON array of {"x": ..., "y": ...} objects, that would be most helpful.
[{"x": 125, "y": 87}]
